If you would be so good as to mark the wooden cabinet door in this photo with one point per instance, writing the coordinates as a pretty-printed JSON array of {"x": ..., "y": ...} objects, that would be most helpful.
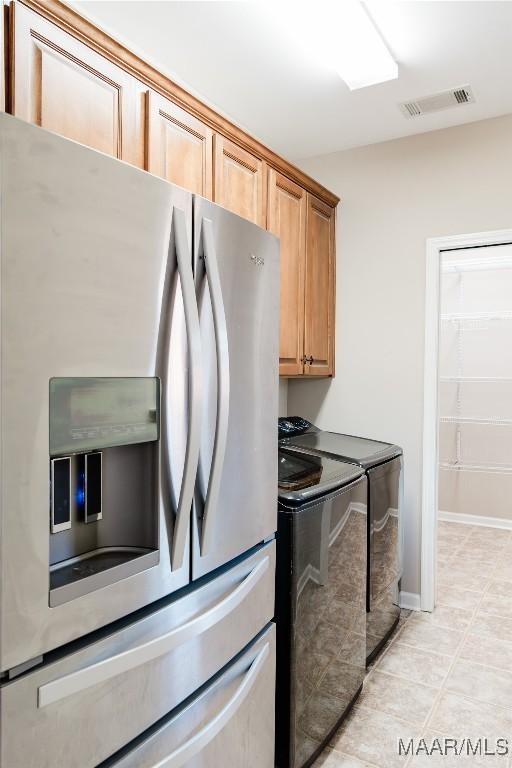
[
  {"x": 180, "y": 147},
  {"x": 319, "y": 293},
  {"x": 63, "y": 85},
  {"x": 239, "y": 181},
  {"x": 287, "y": 220}
]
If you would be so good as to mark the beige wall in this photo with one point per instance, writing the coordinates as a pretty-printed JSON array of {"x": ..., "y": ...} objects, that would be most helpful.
[{"x": 395, "y": 195}]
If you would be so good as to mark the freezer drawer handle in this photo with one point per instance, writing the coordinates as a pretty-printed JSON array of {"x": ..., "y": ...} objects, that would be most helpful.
[
  {"x": 183, "y": 255},
  {"x": 104, "y": 670},
  {"x": 202, "y": 738},
  {"x": 223, "y": 379}
]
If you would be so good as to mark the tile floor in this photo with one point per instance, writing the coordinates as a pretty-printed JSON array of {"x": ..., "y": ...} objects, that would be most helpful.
[{"x": 448, "y": 673}]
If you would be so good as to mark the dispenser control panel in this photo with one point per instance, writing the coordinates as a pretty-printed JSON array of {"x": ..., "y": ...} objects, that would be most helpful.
[
  {"x": 104, "y": 482},
  {"x": 88, "y": 414}
]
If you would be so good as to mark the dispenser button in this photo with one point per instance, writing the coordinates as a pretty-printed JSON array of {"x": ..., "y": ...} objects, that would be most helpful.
[
  {"x": 93, "y": 486},
  {"x": 60, "y": 513}
]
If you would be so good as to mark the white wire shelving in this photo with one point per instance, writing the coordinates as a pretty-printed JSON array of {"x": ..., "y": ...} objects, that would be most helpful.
[
  {"x": 492, "y": 386},
  {"x": 501, "y": 259},
  {"x": 496, "y": 469},
  {"x": 478, "y": 379},
  {"x": 497, "y": 422}
]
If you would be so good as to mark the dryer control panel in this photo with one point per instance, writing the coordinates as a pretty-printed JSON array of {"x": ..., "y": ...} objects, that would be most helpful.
[{"x": 293, "y": 426}]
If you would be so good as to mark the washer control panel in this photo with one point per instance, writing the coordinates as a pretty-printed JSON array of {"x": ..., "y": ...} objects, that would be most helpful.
[{"x": 292, "y": 426}]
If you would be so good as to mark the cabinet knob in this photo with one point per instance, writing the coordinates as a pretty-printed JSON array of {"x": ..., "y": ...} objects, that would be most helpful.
[{"x": 307, "y": 359}]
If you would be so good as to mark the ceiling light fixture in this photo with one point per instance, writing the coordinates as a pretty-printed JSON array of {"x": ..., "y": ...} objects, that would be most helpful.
[{"x": 341, "y": 34}]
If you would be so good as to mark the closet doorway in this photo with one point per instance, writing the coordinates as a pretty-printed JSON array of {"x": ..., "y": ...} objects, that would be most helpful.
[
  {"x": 475, "y": 386},
  {"x": 467, "y": 460}
]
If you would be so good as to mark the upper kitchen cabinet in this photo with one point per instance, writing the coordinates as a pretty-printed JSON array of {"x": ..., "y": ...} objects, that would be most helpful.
[
  {"x": 180, "y": 147},
  {"x": 61, "y": 84},
  {"x": 287, "y": 220},
  {"x": 319, "y": 289},
  {"x": 66, "y": 75},
  {"x": 239, "y": 181}
]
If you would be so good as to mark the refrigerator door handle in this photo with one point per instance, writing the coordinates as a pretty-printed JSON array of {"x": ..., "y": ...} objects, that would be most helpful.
[
  {"x": 184, "y": 259},
  {"x": 183, "y": 754},
  {"x": 223, "y": 384},
  {"x": 106, "y": 669}
]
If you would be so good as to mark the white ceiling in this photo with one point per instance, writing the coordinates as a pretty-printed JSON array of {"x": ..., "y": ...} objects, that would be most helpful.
[{"x": 237, "y": 58}]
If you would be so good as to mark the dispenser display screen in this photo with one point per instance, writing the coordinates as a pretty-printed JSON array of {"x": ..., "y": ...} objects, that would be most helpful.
[{"x": 95, "y": 413}]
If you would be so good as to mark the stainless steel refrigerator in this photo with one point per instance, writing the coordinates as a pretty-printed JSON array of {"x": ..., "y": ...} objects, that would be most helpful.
[{"x": 139, "y": 334}]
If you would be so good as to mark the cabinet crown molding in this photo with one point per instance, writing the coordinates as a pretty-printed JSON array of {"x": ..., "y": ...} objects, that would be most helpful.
[{"x": 87, "y": 32}]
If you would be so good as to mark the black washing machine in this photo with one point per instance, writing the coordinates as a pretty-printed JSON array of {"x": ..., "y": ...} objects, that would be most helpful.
[
  {"x": 382, "y": 463},
  {"x": 320, "y": 600}
]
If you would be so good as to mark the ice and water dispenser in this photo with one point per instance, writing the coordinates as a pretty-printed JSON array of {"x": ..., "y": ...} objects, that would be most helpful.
[{"x": 104, "y": 441}]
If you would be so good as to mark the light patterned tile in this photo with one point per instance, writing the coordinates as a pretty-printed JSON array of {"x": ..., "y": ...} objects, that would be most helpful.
[
  {"x": 503, "y": 571},
  {"x": 478, "y": 552},
  {"x": 466, "y": 573},
  {"x": 480, "y": 682},
  {"x": 458, "y": 716},
  {"x": 430, "y": 637},
  {"x": 373, "y": 737},
  {"x": 501, "y": 588},
  {"x": 333, "y": 759},
  {"x": 457, "y": 597},
  {"x": 434, "y": 742},
  {"x": 415, "y": 665},
  {"x": 492, "y": 626},
  {"x": 446, "y": 550},
  {"x": 401, "y": 691},
  {"x": 475, "y": 578},
  {"x": 395, "y": 696},
  {"x": 497, "y": 604},
  {"x": 507, "y": 548},
  {"x": 493, "y": 537},
  {"x": 492, "y": 650},
  {"x": 444, "y": 616},
  {"x": 453, "y": 531},
  {"x": 469, "y": 558}
]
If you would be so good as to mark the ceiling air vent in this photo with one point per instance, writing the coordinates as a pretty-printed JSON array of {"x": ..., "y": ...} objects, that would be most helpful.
[{"x": 438, "y": 101}]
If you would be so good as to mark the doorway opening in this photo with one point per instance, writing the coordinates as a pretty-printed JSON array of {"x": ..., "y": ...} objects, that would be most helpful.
[{"x": 467, "y": 440}]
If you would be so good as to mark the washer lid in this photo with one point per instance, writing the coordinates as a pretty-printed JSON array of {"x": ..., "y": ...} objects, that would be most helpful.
[
  {"x": 303, "y": 476},
  {"x": 360, "y": 450}
]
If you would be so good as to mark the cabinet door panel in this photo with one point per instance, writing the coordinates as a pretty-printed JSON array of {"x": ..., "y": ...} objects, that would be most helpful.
[
  {"x": 319, "y": 304},
  {"x": 180, "y": 146},
  {"x": 239, "y": 181},
  {"x": 287, "y": 220},
  {"x": 66, "y": 87}
]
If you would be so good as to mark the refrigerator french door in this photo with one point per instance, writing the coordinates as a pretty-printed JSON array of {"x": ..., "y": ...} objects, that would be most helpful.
[
  {"x": 138, "y": 385},
  {"x": 236, "y": 267},
  {"x": 91, "y": 302}
]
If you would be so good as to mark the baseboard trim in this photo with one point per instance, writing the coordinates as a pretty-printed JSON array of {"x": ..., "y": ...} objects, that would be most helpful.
[
  {"x": 490, "y": 522},
  {"x": 410, "y": 601}
]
